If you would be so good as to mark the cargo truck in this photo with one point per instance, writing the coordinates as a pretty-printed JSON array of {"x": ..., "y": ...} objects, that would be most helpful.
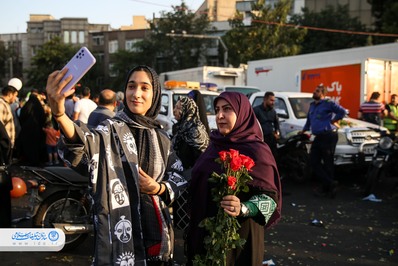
[{"x": 351, "y": 75}]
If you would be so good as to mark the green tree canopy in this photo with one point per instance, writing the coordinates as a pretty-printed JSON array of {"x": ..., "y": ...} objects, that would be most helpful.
[
  {"x": 330, "y": 18},
  {"x": 385, "y": 14},
  {"x": 167, "y": 53},
  {"x": 266, "y": 37},
  {"x": 52, "y": 56}
]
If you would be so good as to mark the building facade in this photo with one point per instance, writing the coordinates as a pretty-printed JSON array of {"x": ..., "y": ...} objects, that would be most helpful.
[{"x": 104, "y": 41}]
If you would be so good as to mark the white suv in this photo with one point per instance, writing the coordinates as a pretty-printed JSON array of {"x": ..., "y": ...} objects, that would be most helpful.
[
  {"x": 357, "y": 139},
  {"x": 169, "y": 99}
]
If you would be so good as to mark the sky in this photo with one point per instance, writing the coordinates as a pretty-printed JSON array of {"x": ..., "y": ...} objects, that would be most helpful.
[{"x": 15, "y": 13}]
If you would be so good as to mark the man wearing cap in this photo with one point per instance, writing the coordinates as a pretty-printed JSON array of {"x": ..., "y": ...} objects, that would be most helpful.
[{"x": 7, "y": 140}]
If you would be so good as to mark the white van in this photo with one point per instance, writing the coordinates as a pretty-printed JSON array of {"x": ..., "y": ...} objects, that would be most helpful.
[{"x": 169, "y": 99}]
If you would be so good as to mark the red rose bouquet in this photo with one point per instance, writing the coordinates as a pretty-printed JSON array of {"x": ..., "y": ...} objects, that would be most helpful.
[{"x": 223, "y": 229}]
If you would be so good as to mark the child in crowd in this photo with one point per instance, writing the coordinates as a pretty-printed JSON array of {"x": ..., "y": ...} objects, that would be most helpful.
[{"x": 52, "y": 136}]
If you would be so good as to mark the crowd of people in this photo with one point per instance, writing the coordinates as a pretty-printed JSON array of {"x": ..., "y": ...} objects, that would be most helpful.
[{"x": 137, "y": 171}]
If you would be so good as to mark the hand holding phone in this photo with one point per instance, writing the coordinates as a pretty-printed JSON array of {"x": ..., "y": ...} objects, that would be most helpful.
[{"x": 79, "y": 64}]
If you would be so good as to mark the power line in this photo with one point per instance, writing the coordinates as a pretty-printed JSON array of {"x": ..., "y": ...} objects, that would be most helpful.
[{"x": 328, "y": 30}]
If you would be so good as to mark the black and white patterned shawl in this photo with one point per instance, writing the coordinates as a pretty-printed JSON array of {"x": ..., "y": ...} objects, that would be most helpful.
[
  {"x": 124, "y": 219},
  {"x": 189, "y": 129}
]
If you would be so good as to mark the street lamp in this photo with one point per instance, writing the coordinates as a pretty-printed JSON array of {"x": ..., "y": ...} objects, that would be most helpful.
[{"x": 204, "y": 37}]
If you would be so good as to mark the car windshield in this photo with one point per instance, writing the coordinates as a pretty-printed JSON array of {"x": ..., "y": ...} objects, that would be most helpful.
[
  {"x": 208, "y": 99},
  {"x": 300, "y": 106}
]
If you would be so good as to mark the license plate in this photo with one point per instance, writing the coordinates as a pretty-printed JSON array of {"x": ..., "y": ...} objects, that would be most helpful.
[{"x": 369, "y": 149}]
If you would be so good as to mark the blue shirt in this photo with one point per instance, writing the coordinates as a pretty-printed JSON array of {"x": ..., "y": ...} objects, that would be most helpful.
[{"x": 321, "y": 114}]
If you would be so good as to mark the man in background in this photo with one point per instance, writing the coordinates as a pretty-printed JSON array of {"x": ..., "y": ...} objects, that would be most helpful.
[
  {"x": 105, "y": 109},
  {"x": 84, "y": 106},
  {"x": 269, "y": 121},
  {"x": 322, "y": 119},
  {"x": 372, "y": 110},
  {"x": 7, "y": 141},
  {"x": 391, "y": 118}
]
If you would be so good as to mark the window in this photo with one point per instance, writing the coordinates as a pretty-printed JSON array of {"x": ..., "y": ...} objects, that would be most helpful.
[
  {"x": 66, "y": 37},
  {"x": 165, "y": 105},
  {"x": 280, "y": 108},
  {"x": 300, "y": 106},
  {"x": 81, "y": 37},
  {"x": 98, "y": 40},
  {"x": 113, "y": 46},
  {"x": 130, "y": 45},
  {"x": 73, "y": 37}
]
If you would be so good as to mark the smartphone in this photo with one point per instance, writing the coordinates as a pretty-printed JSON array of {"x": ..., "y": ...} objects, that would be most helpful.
[{"x": 80, "y": 63}]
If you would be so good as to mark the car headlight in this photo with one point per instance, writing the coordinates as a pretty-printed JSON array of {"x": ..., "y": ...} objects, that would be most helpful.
[{"x": 385, "y": 143}]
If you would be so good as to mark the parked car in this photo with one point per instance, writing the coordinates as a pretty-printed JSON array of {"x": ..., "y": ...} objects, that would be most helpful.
[
  {"x": 357, "y": 139},
  {"x": 169, "y": 99}
]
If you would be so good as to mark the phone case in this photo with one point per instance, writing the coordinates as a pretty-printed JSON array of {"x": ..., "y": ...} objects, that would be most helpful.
[{"x": 80, "y": 63}]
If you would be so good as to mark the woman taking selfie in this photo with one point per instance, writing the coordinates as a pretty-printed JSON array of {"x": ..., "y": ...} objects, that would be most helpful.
[{"x": 134, "y": 173}]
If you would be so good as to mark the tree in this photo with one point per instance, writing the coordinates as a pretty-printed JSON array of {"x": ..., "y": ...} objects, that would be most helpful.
[
  {"x": 385, "y": 13},
  {"x": 266, "y": 37},
  {"x": 124, "y": 60},
  {"x": 166, "y": 53},
  {"x": 330, "y": 18},
  {"x": 52, "y": 56}
]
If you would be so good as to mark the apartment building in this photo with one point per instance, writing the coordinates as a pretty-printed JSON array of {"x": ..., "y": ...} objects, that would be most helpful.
[{"x": 104, "y": 41}]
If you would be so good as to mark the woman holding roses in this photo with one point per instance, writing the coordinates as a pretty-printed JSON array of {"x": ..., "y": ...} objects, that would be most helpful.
[{"x": 257, "y": 208}]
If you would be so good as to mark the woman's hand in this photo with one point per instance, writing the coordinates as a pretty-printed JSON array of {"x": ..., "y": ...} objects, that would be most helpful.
[
  {"x": 231, "y": 205},
  {"x": 54, "y": 86},
  {"x": 56, "y": 100},
  {"x": 148, "y": 185}
]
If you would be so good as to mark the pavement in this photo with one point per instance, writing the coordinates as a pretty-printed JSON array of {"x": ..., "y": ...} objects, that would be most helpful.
[{"x": 313, "y": 231}]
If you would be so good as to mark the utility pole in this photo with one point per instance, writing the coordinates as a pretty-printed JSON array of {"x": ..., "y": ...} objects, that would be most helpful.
[{"x": 198, "y": 36}]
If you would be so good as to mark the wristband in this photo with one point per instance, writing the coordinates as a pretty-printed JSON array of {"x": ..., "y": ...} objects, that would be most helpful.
[
  {"x": 160, "y": 189},
  {"x": 56, "y": 116}
]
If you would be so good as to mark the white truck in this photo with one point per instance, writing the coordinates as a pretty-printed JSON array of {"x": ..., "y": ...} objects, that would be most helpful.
[
  {"x": 221, "y": 76},
  {"x": 357, "y": 139},
  {"x": 351, "y": 75}
]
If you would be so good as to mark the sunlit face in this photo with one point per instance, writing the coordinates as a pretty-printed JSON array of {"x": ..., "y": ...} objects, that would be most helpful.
[
  {"x": 317, "y": 95},
  {"x": 177, "y": 110},
  {"x": 225, "y": 117},
  {"x": 139, "y": 93},
  {"x": 14, "y": 97},
  {"x": 394, "y": 100}
]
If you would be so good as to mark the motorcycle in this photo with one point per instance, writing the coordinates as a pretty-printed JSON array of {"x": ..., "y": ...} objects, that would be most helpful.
[
  {"x": 384, "y": 161},
  {"x": 293, "y": 157},
  {"x": 60, "y": 199}
]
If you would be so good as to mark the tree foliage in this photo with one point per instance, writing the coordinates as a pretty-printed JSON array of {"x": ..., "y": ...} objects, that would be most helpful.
[
  {"x": 266, "y": 37},
  {"x": 331, "y": 18},
  {"x": 385, "y": 14},
  {"x": 166, "y": 53},
  {"x": 52, "y": 56}
]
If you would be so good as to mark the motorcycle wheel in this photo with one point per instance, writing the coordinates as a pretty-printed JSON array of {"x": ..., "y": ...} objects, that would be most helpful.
[{"x": 50, "y": 210}]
